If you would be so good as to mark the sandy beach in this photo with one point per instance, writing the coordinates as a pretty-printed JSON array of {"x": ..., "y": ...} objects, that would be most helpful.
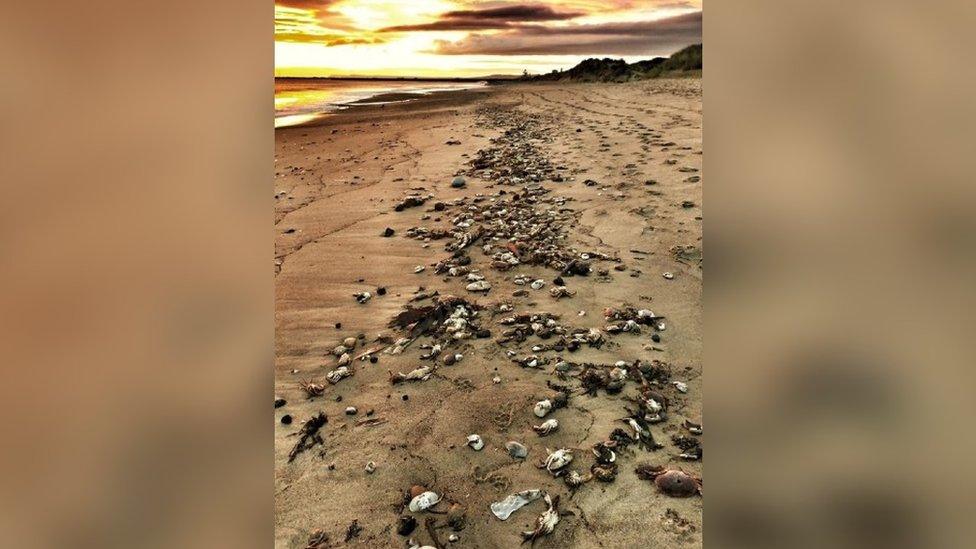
[{"x": 621, "y": 183}]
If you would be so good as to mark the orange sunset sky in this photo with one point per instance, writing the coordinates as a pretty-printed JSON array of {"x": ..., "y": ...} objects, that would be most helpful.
[{"x": 473, "y": 38}]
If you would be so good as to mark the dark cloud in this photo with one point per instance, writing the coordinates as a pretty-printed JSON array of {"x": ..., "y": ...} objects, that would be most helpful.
[
  {"x": 517, "y": 12},
  {"x": 505, "y": 17},
  {"x": 659, "y": 37}
]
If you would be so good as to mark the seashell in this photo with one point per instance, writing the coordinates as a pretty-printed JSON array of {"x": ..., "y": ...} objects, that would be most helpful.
[
  {"x": 349, "y": 343},
  {"x": 680, "y": 386},
  {"x": 339, "y": 350},
  {"x": 668, "y": 275},
  {"x": 419, "y": 269},
  {"x": 542, "y": 408},
  {"x": 504, "y": 508},
  {"x": 344, "y": 360},
  {"x": 452, "y": 538},
  {"x": 604, "y": 473},
  {"x": 370, "y": 467},
  {"x": 475, "y": 442},
  {"x": 478, "y": 286},
  {"x": 496, "y": 380},
  {"x": 335, "y": 376},
  {"x": 537, "y": 284},
  {"x": 516, "y": 449},
  {"x": 574, "y": 480},
  {"x": 547, "y": 427},
  {"x": 423, "y": 502}
]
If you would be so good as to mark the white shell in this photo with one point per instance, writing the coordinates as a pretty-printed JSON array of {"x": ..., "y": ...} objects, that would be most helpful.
[
  {"x": 542, "y": 408},
  {"x": 475, "y": 442},
  {"x": 370, "y": 467},
  {"x": 558, "y": 459},
  {"x": 424, "y": 501},
  {"x": 537, "y": 284},
  {"x": 479, "y": 286},
  {"x": 516, "y": 449},
  {"x": 680, "y": 386}
]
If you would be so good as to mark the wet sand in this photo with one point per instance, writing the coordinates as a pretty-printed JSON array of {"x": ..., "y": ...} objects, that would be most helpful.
[{"x": 336, "y": 186}]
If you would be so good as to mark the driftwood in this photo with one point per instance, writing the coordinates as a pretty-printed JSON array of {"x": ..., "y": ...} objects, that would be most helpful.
[{"x": 309, "y": 435}]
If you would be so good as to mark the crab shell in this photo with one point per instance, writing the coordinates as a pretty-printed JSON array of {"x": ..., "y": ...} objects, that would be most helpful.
[
  {"x": 677, "y": 483},
  {"x": 558, "y": 459},
  {"x": 547, "y": 427}
]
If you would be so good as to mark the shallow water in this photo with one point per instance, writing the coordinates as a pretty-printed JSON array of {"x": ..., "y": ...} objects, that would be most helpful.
[{"x": 298, "y": 101}]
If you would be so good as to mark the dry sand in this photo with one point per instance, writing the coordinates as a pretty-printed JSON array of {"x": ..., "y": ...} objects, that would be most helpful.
[{"x": 337, "y": 183}]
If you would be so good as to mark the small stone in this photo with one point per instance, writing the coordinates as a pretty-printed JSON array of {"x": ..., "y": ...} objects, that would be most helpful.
[
  {"x": 351, "y": 411},
  {"x": 655, "y": 338},
  {"x": 381, "y": 291},
  {"x": 668, "y": 275},
  {"x": 373, "y": 359},
  {"x": 516, "y": 449},
  {"x": 452, "y": 538},
  {"x": 370, "y": 467},
  {"x": 286, "y": 419},
  {"x": 349, "y": 343},
  {"x": 405, "y": 397},
  {"x": 406, "y": 525},
  {"x": 338, "y": 325},
  {"x": 279, "y": 402},
  {"x": 458, "y": 182},
  {"x": 388, "y": 232}
]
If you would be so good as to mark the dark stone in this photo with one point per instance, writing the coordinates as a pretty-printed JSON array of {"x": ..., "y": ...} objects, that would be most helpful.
[
  {"x": 655, "y": 338},
  {"x": 279, "y": 402},
  {"x": 439, "y": 206},
  {"x": 286, "y": 419},
  {"x": 483, "y": 334},
  {"x": 338, "y": 325},
  {"x": 373, "y": 359},
  {"x": 558, "y": 281},
  {"x": 405, "y": 397},
  {"x": 388, "y": 232},
  {"x": 381, "y": 291}
]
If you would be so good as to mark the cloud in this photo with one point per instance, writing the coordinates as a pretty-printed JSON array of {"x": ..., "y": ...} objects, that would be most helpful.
[
  {"x": 658, "y": 37},
  {"x": 504, "y": 17}
]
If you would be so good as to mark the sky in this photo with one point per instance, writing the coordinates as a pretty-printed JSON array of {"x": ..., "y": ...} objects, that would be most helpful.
[{"x": 465, "y": 38}]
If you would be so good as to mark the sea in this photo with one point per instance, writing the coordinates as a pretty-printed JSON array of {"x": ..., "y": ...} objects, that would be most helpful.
[{"x": 301, "y": 100}]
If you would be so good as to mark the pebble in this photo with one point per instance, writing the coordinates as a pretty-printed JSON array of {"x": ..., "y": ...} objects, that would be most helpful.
[
  {"x": 370, "y": 467},
  {"x": 668, "y": 275},
  {"x": 351, "y": 411},
  {"x": 286, "y": 419},
  {"x": 388, "y": 232},
  {"x": 279, "y": 402},
  {"x": 516, "y": 449},
  {"x": 458, "y": 182}
]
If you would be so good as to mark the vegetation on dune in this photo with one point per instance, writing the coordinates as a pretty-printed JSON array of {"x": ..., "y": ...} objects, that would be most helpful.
[{"x": 684, "y": 62}]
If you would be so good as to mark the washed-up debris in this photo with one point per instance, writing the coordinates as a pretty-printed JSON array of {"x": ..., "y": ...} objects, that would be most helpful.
[
  {"x": 673, "y": 482},
  {"x": 309, "y": 435},
  {"x": 603, "y": 451},
  {"x": 420, "y": 374},
  {"x": 546, "y": 523},
  {"x": 516, "y": 449},
  {"x": 317, "y": 540},
  {"x": 411, "y": 201},
  {"x": 337, "y": 375},
  {"x": 353, "y": 530},
  {"x": 406, "y": 525},
  {"x": 547, "y": 426},
  {"x": 693, "y": 427},
  {"x": 504, "y": 508},
  {"x": 681, "y": 386},
  {"x": 556, "y": 460},
  {"x": 475, "y": 442},
  {"x": 642, "y": 431},
  {"x": 448, "y": 318},
  {"x": 311, "y": 388},
  {"x": 423, "y": 501},
  {"x": 604, "y": 472},
  {"x": 560, "y": 292},
  {"x": 537, "y": 284},
  {"x": 574, "y": 479},
  {"x": 691, "y": 447},
  {"x": 457, "y": 516}
]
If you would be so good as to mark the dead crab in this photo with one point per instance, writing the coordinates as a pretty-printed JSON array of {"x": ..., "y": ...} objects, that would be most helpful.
[
  {"x": 673, "y": 482},
  {"x": 556, "y": 460},
  {"x": 311, "y": 388},
  {"x": 546, "y": 523}
]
